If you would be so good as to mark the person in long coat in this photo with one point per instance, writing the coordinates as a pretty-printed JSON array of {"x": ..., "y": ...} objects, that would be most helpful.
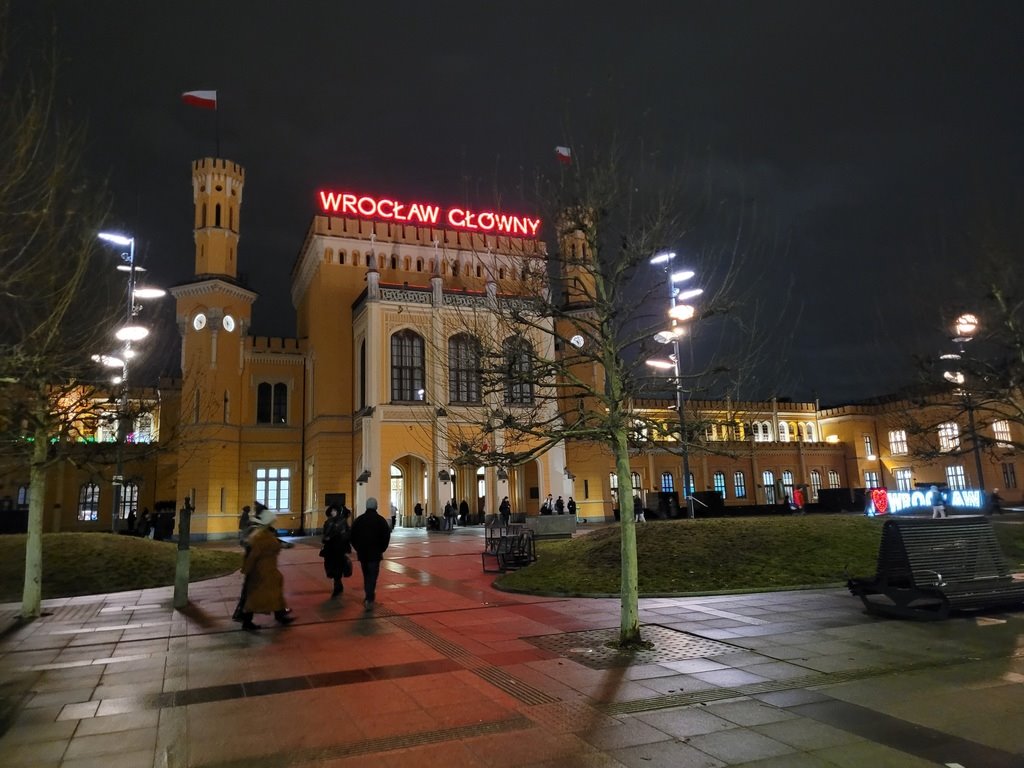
[
  {"x": 264, "y": 582},
  {"x": 337, "y": 544}
]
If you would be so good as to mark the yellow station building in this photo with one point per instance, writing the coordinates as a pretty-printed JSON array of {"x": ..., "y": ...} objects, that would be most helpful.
[{"x": 367, "y": 400}]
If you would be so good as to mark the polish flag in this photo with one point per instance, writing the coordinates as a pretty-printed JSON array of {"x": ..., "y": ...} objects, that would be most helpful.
[
  {"x": 564, "y": 155},
  {"x": 201, "y": 99}
]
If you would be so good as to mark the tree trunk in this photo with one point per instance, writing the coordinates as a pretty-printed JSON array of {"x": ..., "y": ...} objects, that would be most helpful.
[
  {"x": 32, "y": 594},
  {"x": 629, "y": 621}
]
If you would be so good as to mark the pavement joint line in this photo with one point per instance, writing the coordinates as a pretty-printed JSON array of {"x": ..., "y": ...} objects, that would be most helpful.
[
  {"x": 381, "y": 744},
  {"x": 817, "y": 680},
  {"x": 753, "y": 621},
  {"x": 107, "y": 628}
]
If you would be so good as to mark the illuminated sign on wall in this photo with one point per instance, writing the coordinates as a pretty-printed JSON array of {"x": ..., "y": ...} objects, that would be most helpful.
[
  {"x": 367, "y": 207},
  {"x": 880, "y": 501}
]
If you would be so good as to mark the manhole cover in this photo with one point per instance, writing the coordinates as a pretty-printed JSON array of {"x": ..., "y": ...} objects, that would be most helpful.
[{"x": 591, "y": 648}]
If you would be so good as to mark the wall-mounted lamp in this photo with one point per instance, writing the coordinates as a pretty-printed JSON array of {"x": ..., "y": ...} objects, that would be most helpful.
[
  {"x": 568, "y": 474},
  {"x": 444, "y": 476},
  {"x": 441, "y": 413},
  {"x": 502, "y": 474},
  {"x": 363, "y": 477}
]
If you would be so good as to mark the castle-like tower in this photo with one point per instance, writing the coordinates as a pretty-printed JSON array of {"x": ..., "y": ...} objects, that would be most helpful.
[{"x": 213, "y": 313}]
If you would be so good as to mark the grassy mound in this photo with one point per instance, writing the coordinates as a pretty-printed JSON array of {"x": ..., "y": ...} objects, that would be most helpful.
[
  {"x": 720, "y": 554},
  {"x": 92, "y": 563}
]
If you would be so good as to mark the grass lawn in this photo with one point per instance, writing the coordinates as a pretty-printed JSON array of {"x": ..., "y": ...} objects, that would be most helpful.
[
  {"x": 92, "y": 563},
  {"x": 720, "y": 554}
]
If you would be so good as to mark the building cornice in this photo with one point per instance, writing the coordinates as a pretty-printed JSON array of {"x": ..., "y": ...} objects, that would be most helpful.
[{"x": 202, "y": 288}]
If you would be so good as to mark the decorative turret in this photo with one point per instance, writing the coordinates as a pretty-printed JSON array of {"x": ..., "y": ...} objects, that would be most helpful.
[{"x": 217, "y": 196}]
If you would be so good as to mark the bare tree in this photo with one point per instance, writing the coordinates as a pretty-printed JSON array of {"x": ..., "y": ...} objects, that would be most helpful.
[
  {"x": 562, "y": 357},
  {"x": 59, "y": 304}
]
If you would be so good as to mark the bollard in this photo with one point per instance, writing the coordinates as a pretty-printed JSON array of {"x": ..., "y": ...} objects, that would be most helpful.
[{"x": 181, "y": 570}]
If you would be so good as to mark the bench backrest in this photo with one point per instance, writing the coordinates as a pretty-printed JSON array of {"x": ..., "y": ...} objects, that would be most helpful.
[{"x": 961, "y": 549}]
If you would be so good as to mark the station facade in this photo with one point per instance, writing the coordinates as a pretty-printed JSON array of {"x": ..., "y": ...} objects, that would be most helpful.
[{"x": 366, "y": 400}]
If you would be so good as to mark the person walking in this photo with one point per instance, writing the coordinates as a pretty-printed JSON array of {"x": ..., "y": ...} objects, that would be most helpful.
[
  {"x": 370, "y": 536},
  {"x": 449, "y": 515},
  {"x": 571, "y": 506},
  {"x": 938, "y": 503},
  {"x": 246, "y": 525},
  {"x": 265, "y": 584},
  {"x": 417, "y": 513},
  {"x": 336, "y": 544},
  {"x": 394, "y": 515},
  {"x": 505, "y": 511},
  {"x": 463, "y": 512}
]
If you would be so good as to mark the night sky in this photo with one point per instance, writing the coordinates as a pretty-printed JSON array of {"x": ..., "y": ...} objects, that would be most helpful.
[{"x": 865, "y": 135}]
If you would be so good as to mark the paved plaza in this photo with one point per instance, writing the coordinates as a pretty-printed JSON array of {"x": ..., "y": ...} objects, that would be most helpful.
[{"x": 446, "y": 671}]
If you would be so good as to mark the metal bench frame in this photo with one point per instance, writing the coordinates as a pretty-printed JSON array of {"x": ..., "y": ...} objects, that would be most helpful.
[
  {"x": 508, "y": 552},
  {"x": 927, "y": 568}
]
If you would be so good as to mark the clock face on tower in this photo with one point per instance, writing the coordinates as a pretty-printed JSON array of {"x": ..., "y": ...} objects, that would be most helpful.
[
  {"x": 577, "y": 341},
  {"x": 199, "y": 321},
  {"x": 229, "y": 323}
]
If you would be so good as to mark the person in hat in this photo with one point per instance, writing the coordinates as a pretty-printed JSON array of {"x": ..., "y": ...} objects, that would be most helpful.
[
  {"x": 336, "y": 544},
  {"x": 264, "y": 582},
  {"x": 371, "y": 535}
]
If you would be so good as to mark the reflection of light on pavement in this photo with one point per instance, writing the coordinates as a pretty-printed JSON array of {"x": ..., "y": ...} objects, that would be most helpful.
[
  {"x": 581, "y": 650},
  {"x": 987, "y": 621}
]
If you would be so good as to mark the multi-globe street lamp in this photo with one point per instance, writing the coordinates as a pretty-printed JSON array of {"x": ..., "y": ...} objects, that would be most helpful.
[
  {"x": 130, "y": 332},
  {"x": 679, "y": 312},
  {"x": 965, "y": 327}
]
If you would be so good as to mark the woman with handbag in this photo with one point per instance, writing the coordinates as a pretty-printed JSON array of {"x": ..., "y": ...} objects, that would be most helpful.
[{"x": 336, "y": 545}]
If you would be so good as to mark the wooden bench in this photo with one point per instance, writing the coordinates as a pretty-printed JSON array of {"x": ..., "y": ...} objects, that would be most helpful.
[
  {"x": 508, "y": 552},
  {"x": 927, "y": 568}
]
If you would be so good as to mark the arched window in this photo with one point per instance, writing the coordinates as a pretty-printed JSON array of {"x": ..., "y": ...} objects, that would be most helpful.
[
  {"x": 635, "y": 480},
  {"x": 668, "y": 485},
  {"x": 216, "y": 215},
  {"x": 815, "y": 484},
  {"x": 800, "y": 431},
  {"x": 341, "y": 257},
  {"x": 787, "y": 483},
  {"x": 719, "y": 480},
  {"x": 143, "y": 429},
  {"x": 518, "y": 371},
  {"x": 810, "y": 432},
  {"x": 397, "y": 489},
  {"x": 407, "y": 367},
  {"x": 739, "y": 485},
  {"x": 833, "y": 479},
  {"x": 463, "y": 369},
  {"x": 768, "y": 481},
  {"x": 783, "y": 432},
  {"x": 89, "y": 502},
  {"x": 129, "y": 500},
  {"x": 23, "y": 496},
  {"x": 419, "y": 265},
  {"x": 271, "y": 403}
]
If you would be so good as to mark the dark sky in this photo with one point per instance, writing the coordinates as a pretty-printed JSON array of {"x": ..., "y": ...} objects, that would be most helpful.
[{"x": 864, "y": 134}]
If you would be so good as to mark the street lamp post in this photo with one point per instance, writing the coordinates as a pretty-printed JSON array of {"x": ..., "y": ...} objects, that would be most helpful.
[
  {"x": 965, "y": 326},
  {"x": 127, "y": 334},
  {"x": 678, "y": 313}
]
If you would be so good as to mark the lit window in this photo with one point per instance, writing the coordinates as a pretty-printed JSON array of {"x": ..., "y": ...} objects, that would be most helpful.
[
  {"x": 955, "y": 478},
  {"x": 811, "y": 432},
  {"x": 1001, "y": 429},
  {"x": 668, "y": 485},
  {"x": 787, "y": 482},
  {"x": 898, "y": 443},
  {"x": 815, "y": 484},
  {"x": 719, "y": 481},
  {"x": 904, "y": 479},
  {"x": 143, "y": 429},
  {"x": 768, "y": 481},
  {"x": 407, "y": 367},
  {"x": 635, "y": 480},
  {"x": 833, "y": 479},
  {"x": 463, "y": 369},
  {"x": 273, "y": 487},
  {"x": 783, "y": 432},
  {"x": 23, "y": 496},
  {"x": 89, "y": 502},
  {"x": 869, "y": 449},
  {"x": 870, "y": 479},
  {"x": 129, "y": 500},
  {"x": 739, "y": 485},
  {"x": 949, "y": 436}
]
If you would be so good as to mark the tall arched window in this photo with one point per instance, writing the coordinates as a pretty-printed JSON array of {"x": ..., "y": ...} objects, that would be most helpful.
[
  {"x": 787, "y": 482},
  {"x": 668, "y": 485},
  {"x": 613, "y": 485},
  {"x": 129, "y": 499},
  {"x": 407, "y": 367},
  {"x": 768, "y": 481},
  {"x": 463, "y": 369},
  {"x": 739, "y": 484},
  {"x": 783, "y": 432},
  {"x": 815, "y": 484},
  {"x": 637, "y": 484},
  {"x": 518, "y": 371},
  {"x": 810, "y": 432},
  {"x": 23, "y": 496},
  {"x": 719, "y": 481},
  {"x": 216, "y": 215},
  {"x": 833, "y": 479},
  {"x": 280, "y": 403},
  {"x": 89, "y": 502},
  {"x": 362, "y": 374}
]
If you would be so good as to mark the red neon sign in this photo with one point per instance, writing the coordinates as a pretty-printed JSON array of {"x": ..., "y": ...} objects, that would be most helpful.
[{"x": 367, "y": 207}]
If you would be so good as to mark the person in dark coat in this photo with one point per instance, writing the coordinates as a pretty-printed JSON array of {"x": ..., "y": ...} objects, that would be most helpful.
[
  {"x": 246, "y": 525},
  {"x": 336, "y": 544},
  {"x": 463, "y": 512},
  {"x": 505, "y": 510},
  {"x": 417, "y": 512},
  {"x": 265, "y": 584},
  {"x": 131, "y": 522},
  {"x": 371, "y": 535},
  {"x": 449, "y": 515},
  {"x": 559, "y": 506},
  {"x": 570, "y": 506}
]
